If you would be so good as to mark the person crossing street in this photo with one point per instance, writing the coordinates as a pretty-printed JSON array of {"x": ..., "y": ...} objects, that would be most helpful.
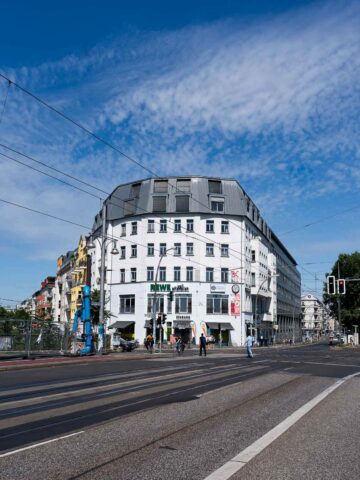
[
  {"x": 202, "y": 345},
  {"x": 249, "y": 343}
]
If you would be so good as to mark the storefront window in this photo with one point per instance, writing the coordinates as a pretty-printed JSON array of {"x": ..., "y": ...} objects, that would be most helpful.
[
  {"x": 159, "y": 301},
  {"x": 217, "y": 304},
  {"x": 183, "y": 303}
]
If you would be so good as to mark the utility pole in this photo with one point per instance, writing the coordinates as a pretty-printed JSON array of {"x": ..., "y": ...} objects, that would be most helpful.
[
  {"x": 338, "y": 300},
  {"x": 102, "y": 265}
]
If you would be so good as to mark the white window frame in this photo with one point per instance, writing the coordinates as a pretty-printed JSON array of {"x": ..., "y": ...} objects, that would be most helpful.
[
  {"x": 163, "y": 226},
  {"x": 151, "y": 226},
  {"x": 150, "y": 248},
  {"x": 224, "y": 226},
  {"x": 209, "y": 249},
  {"x": 177, "y": 226},
  {"x": 177, "y": 249},
  {"x": 183, "y": 303},
  {"x": 162, "y": 274},
  {"x": 150, "y": 274},
  {"x": 209, "y": 275},
  {"x": 210, "y": 226},
  {"x": 128, "y": 304},
  {"x": 177, "y": 274}
]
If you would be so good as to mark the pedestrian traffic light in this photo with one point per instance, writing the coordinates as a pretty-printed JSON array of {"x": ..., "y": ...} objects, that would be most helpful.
[
  {"x": 331, "y": 288},
  {"x": 164, "y": 317},
  {"x": 171, "y": 296},
  {"x": 341, "y": 286}
]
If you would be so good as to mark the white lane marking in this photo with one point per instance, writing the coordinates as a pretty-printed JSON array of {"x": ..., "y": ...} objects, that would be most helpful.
[
  {"x": 240, "y": 460},
  {"x": 316, "y": 363},
  {"x": 7, "y": 454}
]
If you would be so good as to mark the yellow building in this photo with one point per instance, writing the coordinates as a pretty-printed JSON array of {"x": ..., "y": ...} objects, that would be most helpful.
[{"x": 79, "y": 274}]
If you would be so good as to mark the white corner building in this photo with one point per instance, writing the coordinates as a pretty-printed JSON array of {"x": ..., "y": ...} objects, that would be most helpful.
[{"x": 227, "y": 270}]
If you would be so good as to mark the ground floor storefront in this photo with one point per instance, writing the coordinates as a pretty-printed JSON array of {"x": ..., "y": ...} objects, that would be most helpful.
[{"x": 191, "y": 310}]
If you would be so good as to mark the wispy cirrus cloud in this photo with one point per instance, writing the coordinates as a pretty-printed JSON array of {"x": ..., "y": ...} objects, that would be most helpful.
[{"x": 273, "y": 103}]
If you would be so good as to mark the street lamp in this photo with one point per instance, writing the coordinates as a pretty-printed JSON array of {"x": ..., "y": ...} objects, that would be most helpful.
[
  {"x": 155, "y": 295},
  {"x": 114, "y": 251},
  {"x": 257, "y": 294}
]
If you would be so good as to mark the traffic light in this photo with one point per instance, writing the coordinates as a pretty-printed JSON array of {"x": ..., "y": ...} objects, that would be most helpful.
[
  {"x": 341, "y": 286},
  {"x": 158, "y": 320},
  {"x": 331, "y": 287},
  {"x": 164, "y": 317},
  {"x": 171, "y": 296}
]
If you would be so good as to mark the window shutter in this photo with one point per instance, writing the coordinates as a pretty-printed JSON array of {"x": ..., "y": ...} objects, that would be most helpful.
[
  {"x": 182, "y": 203},
  {"x": 159, "y": 204}
]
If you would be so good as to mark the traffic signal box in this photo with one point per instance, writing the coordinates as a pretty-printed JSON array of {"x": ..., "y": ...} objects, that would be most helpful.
[
  {"x": 341, "y": 286},
  {"x": 331, "y": 285},
  {"x": 335, "y": 286}
]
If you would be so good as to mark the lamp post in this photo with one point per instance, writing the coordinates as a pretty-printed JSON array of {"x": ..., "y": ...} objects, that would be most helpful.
[
  {"x": 114, "y": 251},
  {"x": 154, "y": 308},
  {"x": 257, "y": 294}
]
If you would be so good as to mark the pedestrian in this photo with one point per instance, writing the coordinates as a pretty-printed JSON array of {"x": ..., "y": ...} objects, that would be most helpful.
[
  {"x": 150, "y": 343},
  {"x": 249, "y": 343},
  {"x": 202, "y": 342},
  {"x": 179, "y": 346}
]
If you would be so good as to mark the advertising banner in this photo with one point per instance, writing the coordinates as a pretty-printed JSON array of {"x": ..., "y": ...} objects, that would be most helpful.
[{"x": 235, "y": 305}]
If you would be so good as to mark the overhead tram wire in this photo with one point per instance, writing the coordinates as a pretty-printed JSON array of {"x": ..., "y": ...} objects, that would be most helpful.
[
  {"x": 98, "y": 197},
  {"x": 10, "y": 300},
  {"x": 5, "y": 100},
  {"x": 110, "y": 237},
  {"x": 137, "y": 162},
  {"x": 320, "y": 220},
  {"x": 97, "y": 137},
  {"x": 50, "y": 176},
  {"x": 207, "y": 239}
]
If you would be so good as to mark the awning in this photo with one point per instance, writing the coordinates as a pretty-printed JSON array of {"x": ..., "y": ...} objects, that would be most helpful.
[
  {"x": 223, "y": 325},
  {"x": 182, "y": 324},
  {"x": 121, "y": 325}
]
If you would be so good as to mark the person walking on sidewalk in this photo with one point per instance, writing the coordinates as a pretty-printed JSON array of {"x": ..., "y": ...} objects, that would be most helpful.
[
  {"x": 150, "y": 343},
  {"x": 249, "y": 343},
  {"x": 202, "y": 344}
]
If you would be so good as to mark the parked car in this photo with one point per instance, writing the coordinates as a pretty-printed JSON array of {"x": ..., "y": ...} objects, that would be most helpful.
[
  {"x": 124, "y": 345},
  {"x": 333, "y": 340}
]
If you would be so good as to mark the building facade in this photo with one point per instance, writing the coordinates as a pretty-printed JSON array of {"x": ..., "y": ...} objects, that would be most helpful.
[
  {"x": 204, "y": 240},
  {"x": 63, "y": 286},
  {"x": 43, "y": 299},
  {"x": 79, "y": 274},
  {"x": 316, "y": 318}
]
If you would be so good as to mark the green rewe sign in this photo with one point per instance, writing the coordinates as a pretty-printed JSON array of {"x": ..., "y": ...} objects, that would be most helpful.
[{"x": 160, "y": 287}]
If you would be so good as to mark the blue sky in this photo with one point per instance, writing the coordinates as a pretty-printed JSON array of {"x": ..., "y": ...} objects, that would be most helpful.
[{"x": 263, "y": 91}]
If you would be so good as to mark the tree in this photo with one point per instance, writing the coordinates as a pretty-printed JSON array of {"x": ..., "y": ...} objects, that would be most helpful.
[
  {"x": 95, "y": 308},
  {"x": 349, "y": 266}
]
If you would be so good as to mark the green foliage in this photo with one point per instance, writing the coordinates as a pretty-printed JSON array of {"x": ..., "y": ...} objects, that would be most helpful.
[
  {"x": 11, "y": 327},
  {"x": 95, "y": 309},
  {"x": 349, "y": 265}
]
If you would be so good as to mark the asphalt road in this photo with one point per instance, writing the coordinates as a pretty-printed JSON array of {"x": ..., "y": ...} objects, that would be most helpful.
[{"x": 182, "y": 418}]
